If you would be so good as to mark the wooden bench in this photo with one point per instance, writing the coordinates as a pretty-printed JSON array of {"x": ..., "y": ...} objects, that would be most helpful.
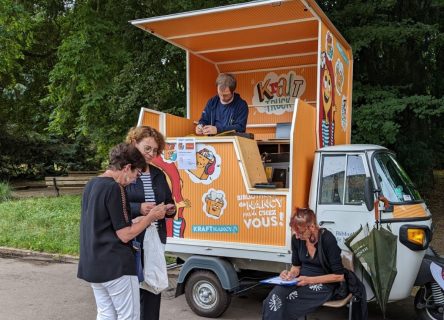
[{"x": 74, "y": 180}]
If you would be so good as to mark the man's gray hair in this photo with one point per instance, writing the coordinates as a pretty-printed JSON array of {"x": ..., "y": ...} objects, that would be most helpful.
[{"x": 226, "y": 80}]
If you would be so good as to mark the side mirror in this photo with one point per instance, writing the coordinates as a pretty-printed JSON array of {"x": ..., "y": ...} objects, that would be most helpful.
[{"x": 369, "y": 194}]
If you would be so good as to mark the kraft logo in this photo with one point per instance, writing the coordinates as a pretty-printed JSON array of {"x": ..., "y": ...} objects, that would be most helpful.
[{"x": 276, "y": 94}]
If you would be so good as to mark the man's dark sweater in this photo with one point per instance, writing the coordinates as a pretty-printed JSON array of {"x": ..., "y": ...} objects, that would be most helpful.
[{"x": 225, "y": 117}]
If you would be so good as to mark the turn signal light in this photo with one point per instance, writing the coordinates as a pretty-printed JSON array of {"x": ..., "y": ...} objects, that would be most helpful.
[{"x": 416, "y": 236}]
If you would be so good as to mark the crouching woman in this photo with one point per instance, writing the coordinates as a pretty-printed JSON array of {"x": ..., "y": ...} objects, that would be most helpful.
[{"x": 314, "y": 286}]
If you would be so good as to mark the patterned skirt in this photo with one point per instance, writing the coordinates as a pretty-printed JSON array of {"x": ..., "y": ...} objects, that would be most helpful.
[{"x": 291, "y": 303}]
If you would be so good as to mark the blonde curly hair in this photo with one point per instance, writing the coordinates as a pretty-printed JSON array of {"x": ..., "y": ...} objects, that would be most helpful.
[{"x": 137, "y": 134}]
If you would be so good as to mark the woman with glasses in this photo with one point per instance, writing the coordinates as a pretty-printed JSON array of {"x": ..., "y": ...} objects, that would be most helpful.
[
  {"x": 150, "y": 189},
  {"x": 314, "y": 286},
  {"x": 107, "y": 259}
]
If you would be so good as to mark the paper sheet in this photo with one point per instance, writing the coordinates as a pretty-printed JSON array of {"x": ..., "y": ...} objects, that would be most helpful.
[{"x": 277, "y": 280}]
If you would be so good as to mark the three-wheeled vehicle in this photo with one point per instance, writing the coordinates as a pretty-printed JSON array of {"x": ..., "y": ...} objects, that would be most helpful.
[{"x": 235, "y": 201}]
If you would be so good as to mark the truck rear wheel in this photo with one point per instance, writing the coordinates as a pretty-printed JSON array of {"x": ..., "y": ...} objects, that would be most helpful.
[{"x": 205, "y": 295}]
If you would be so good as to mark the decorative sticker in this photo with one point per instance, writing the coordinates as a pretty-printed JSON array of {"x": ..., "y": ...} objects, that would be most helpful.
[
  {"x": 169, "y": 154},
  {"x": 329, "y": 47},
  {"x": 214, "y": 203},
  {"x": 276, "y": 94},
  {"x": 339, "y": 76},
  {"x": 342, "y": 53},
  {"x": 344, "y": 113},
  {"x": 261, "y": 211},
  {"x": 208, "y": 165}
]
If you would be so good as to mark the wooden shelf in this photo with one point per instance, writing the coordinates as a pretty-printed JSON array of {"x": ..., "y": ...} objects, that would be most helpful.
[{"x": 273, "y": 146}]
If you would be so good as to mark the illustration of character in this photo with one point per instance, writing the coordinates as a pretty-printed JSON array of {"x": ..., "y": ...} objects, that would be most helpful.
[
  {"x": 339, "y": 76},
  {"x": 169, "y": 152},
  {"x": 329, "y": 45},
  {"x": 206, "y": 163},
  {"x": 327, "y": 103},
  {"x": 214, "y": 203},
  {"x": 176, "y": 226}
]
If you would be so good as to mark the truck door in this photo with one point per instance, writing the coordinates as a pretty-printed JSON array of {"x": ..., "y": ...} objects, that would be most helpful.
[{"x": 340, "y": 205}]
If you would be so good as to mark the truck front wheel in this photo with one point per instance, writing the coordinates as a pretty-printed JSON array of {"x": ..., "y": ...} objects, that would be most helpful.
[
  {"x": 205, "y": 295},
  {"x": 425, "y": 307}
]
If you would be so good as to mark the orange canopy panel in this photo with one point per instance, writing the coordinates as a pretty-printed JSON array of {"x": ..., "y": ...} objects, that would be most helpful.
[{"x": 245, "y": 36}]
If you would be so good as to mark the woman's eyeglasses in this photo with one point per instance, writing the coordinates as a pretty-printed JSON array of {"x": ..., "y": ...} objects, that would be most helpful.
[{"x": 149, "y": 149}]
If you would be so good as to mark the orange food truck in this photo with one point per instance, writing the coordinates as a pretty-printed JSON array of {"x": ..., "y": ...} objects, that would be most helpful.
[{"x": 234, "y": 194}]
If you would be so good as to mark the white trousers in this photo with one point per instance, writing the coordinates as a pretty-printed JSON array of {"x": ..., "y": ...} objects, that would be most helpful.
[{"x": 118, "y": 299}]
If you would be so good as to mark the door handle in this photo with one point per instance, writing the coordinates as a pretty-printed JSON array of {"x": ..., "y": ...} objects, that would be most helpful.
[{"x": 325, "y": 222}]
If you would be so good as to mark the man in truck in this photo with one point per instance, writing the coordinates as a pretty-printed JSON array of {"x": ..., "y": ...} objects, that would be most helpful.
[{"x": 226, "y": 111}]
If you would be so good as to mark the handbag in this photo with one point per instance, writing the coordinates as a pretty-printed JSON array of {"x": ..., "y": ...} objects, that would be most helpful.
[
  {"x": 138, "y": 255},
  {"x": 341, "y": 289},
  {"x": 155, "y": 271},
  {"x": 134, "y": 243}
]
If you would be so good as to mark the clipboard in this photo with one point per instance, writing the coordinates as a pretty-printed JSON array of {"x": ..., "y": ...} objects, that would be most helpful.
[{"x": 277, "y": 280}]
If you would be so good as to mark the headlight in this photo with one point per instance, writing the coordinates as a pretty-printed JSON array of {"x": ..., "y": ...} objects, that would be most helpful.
[{"x": 415, "y": 237}]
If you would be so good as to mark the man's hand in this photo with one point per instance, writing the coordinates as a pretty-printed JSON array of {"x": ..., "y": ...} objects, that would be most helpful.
[
  {"x": 209, "y": 130},
  {"x": 199, "y": 129}
]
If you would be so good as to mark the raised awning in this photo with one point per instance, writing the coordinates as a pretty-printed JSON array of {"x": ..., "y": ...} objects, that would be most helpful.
[{"x": 248, "y": 36}]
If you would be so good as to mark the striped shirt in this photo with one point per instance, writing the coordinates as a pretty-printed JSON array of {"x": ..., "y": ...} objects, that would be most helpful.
[{"x": 148, "y": 189}]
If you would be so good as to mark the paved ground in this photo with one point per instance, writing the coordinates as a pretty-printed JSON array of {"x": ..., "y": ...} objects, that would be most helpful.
[{"x": 41, "y": 290}]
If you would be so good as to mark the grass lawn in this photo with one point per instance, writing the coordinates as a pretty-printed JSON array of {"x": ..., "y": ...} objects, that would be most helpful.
[{"x": 49, "y": 224}]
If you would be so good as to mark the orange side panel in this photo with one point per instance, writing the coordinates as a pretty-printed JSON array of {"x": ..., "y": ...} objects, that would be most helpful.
[
  {"x": 409, "y": 211},
  {"x": 304, "y": 147},
  {"x": 334, "y": 116},
  {"x": 178, "y": 126},
  {"x": 151, "y": 119},
  {"x": 270, "y": 13},
  {"x": 202, "y": 85},
  {"x": 219, "y": 207},
  {"x": 308, "y": 29}
]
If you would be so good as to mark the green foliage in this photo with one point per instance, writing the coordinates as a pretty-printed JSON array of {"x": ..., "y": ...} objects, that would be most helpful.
[
  {"x": 29, "y": 38},
  {"x": 107, "y": 70},
  {"x": 5, "y": 191},
  {"x": 41, "y": 224},
  {"x": 398, "y": 49}
]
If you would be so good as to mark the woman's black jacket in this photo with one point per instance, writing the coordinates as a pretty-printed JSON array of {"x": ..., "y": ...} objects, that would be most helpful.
[{"x": 162, "y": 193}]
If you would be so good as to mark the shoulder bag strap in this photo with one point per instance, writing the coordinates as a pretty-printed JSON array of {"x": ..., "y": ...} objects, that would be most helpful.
[{"x": 125, "y": 209}]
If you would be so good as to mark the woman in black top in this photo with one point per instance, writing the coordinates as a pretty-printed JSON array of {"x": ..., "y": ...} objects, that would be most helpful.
[
  {"x": 150, "y": 189},
  {"x": 314, "y": 286},
  {"x": 106, "y": 229}
]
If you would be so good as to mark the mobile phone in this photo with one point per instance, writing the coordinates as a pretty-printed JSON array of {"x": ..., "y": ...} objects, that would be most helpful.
[{"x": 170, "y": 207}]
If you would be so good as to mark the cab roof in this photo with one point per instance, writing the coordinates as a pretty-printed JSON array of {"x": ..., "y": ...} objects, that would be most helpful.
[{"x": 352, "y": 148}]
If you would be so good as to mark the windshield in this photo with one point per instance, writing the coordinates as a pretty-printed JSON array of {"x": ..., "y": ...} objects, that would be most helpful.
[{"x": 395, "y": 185}]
